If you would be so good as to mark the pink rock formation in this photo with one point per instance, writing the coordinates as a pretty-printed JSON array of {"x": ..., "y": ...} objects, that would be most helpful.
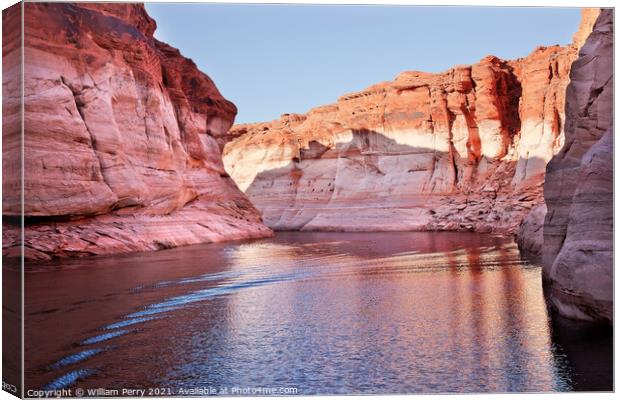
[
  {"x": 578, "y": 228},
  {"x": 122, "y": 139},
  {"x": 465, "y": 149}
]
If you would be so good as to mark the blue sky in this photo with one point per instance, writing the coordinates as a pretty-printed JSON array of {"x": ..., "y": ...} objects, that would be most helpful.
[{"x": 275, "y": 59}]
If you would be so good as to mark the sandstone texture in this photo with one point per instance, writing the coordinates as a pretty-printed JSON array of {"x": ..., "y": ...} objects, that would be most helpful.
[
  {"x": 464, "y": 149},
  {"x": 530, "y": 233},
  {"x": 122, "y": 139},
  {"x": 578, "y": 228}
]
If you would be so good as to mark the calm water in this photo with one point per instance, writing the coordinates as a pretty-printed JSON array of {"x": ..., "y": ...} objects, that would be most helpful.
[{"x": 319, "y": 313}]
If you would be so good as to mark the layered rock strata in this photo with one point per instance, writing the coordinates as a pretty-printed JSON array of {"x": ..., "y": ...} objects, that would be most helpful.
[
  {"x": 577, "y": 250},
  {"x": 122, "y": 139},
  {"x": 465, "y": 149}
]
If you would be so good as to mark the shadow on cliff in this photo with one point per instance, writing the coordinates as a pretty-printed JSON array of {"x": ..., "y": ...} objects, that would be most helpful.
[
  {"x": 347, "y": 162},
  {"x": 364, "y": 143},
  {"x": 460, "y": 176}
]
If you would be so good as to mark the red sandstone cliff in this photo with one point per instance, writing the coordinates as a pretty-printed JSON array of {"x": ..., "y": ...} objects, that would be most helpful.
[
  {"x": 122, "y": 139},
  {"x": 465, "y": 149},
  {"x": 577, "y": 248}
]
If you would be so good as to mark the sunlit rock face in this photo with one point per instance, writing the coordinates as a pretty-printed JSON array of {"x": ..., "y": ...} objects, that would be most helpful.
[
  {"x": 465, "y": 149},
  {"x": 578, "y": 227},
  {"x": 122, "y": 139}
]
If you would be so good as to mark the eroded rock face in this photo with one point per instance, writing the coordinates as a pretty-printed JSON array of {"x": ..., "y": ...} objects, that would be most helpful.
[
  {"x": 123, "y": 139},
  {"x": 530, "y": 233},
  {"x": 465, "y": 149},
  {"x": 578, "y": 229}
]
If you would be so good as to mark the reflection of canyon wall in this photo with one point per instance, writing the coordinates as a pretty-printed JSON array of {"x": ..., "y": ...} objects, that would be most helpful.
[
  {"x": 465, "y": 149},
  {"x": 123, "y": 137},
  {"x": 577, "y": 250}
]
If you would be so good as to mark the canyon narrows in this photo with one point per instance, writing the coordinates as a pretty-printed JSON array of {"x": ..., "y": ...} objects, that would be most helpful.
[
  {"x": 443, "y": 232},
  {"x": 122, "y": 139}
]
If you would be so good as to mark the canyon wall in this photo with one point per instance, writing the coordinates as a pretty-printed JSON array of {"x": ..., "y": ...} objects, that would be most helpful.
[
  {"x": 577, "y": 243},
  {"x": 122, "y": 140},
  {"x": 464, "y": 149}
]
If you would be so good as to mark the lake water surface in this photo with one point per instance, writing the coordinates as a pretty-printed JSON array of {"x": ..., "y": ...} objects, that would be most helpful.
[{"x": 308, "y": 313}]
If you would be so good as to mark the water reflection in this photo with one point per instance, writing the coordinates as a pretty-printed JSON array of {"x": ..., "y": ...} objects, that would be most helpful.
[{"x": 325, "y": 313}]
